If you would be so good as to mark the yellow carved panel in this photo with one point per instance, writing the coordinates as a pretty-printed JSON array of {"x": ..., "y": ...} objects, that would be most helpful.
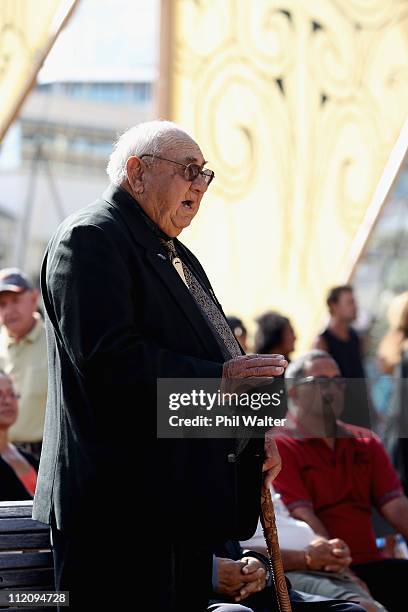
[
  {"x": 25, "y": 29},
  {"x": 297, "y": 106}
]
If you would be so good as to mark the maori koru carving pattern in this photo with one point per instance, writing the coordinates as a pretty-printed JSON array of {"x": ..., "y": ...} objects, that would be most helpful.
[
  {"x": 297, "y": 105},
  {"x": 24, "y": 27},
  {"x": 272, "y": 544},
  {"x": 13, "y": 26}
]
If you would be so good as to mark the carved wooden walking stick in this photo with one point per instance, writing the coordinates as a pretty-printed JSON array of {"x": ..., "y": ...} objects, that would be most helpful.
[{"x": 272, "y": 544}]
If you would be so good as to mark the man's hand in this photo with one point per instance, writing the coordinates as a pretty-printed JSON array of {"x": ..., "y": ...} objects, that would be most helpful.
[
  {"x": 230, "y": 578},
  {"x": 255, "y": 578},
  {"x": 342, "y": 554},
  {"x": 272, "y": 464},
  {"x": 327, "y": 555},
  {"x": 240, "y": 579},
  {"x": 249, "y": 371}
]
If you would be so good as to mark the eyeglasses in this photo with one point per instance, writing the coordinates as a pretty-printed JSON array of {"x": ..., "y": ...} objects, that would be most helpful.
[
  {"x": 191, "y": 171},
  {"x": 324, "y": 382},
  {"x": 9, "y": 396}
]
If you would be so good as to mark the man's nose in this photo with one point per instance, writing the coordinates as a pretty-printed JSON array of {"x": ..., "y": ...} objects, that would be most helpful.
[{"x": 328, "y": 397}]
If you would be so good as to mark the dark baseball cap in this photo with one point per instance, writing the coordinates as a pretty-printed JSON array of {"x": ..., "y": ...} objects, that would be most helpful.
[{"x": 12, "y": 279}]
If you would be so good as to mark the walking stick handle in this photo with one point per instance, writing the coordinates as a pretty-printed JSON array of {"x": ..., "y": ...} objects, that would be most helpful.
[{"x": 272, "y": 544}]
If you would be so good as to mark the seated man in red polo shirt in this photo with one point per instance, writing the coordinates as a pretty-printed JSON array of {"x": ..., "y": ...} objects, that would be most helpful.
[{"x": 334, "y": 473}]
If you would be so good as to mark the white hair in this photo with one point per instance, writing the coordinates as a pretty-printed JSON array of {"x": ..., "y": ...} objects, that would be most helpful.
[{"x": 152, "y": 137}]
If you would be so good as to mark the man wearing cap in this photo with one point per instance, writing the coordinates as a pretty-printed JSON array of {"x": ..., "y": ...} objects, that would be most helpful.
[{"x": 23, "y": 356}]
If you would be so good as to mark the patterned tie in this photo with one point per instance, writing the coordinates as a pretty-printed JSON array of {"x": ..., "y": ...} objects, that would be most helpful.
[{"x": 226, "y": 339}]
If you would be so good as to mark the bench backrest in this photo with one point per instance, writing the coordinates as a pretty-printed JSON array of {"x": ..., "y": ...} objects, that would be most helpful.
[{"x": 25, "y": 549}]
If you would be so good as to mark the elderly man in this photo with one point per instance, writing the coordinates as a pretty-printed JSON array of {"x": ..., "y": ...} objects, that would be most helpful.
[
  {"x": 334, "y": 473},
  {"x": 23, "y": 355},
  {"x": 127, "y": 303}
]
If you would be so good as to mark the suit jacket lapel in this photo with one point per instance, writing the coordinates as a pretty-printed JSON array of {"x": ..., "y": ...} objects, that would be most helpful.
[{"x": 158, "y": 259}]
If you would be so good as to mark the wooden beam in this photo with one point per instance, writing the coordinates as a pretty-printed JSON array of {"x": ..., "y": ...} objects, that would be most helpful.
[
  {"x": 32, "y": 79},
  {"x": 162, "y": 90},
  {"x": 392, "y": 170}
]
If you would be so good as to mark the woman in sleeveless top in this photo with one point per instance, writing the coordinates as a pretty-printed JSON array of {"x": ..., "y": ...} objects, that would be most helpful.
[{"x": 18, "y": 470}]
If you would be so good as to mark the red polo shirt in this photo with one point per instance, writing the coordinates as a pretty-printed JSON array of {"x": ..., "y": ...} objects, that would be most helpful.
[{"x": 340, "y": 485}]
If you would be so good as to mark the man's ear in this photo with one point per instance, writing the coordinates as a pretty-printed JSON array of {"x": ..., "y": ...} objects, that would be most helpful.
[
  {"x": 135, "y": 170},
  {"x": 35, "y": 294}
]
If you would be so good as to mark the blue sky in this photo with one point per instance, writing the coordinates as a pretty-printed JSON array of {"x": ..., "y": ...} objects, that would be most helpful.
[{"x": 106, "y": 40}]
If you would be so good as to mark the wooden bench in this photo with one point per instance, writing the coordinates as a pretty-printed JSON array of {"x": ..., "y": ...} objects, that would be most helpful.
[{"x": 26, "y": 561}]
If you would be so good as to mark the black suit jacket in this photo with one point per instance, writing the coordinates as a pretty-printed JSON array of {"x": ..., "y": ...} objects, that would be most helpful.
[{"x": 118, "y": 317}]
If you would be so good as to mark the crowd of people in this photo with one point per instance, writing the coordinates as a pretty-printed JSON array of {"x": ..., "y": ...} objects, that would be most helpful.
[
  {"x": 23, "y": 385},
  {"x": 157, "y": 316},
  {"x": 341, "y": 485},
  {"x": 331, "y": 482}
]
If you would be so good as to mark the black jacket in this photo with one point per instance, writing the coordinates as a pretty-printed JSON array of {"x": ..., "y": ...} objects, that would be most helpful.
[{"x": 118, "y": 317}]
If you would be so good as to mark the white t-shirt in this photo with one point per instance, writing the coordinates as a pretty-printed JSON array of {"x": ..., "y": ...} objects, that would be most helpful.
[{"x": 293, "y": 534}]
